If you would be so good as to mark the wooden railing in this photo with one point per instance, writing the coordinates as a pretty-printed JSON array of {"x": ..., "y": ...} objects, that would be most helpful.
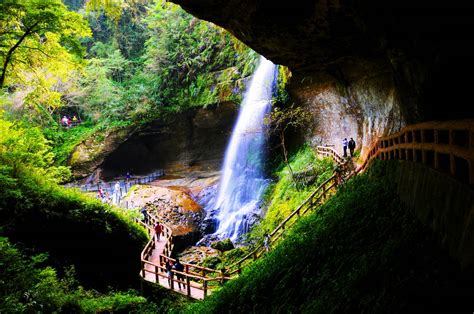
[
  {"x": 314, "y": 200},
  {"x": 194, "y": 276},
  {"x": 447, "y": 146},
  {"x": 331, "y": 152},
  {"x": 200, "y": 277}
]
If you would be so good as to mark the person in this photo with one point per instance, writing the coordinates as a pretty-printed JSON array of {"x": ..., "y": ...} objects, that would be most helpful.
[
  {"x": 266, "y": 242},
  {"x": 344, "y": 146},
  {"x": 352, "y": 145},
  {"x": 127, "y": 176},
  {"x": 179, "y": 267},
  {"x": 145, "y": 215},
  {"x": 116, "y": 192},
  {"x": 74, "y": 118},
  {"x": 169, "y": 272},
  {"x": 158, "y": 230},
  {"x": 100, "y": 194},
  {"x": 65, "y": 121}
]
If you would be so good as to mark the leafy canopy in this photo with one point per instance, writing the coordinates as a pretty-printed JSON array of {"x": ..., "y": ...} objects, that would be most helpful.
[{"x": 40, "y": 53}]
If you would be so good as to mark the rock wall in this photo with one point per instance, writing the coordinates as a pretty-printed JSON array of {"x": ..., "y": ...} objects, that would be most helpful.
[
  {"x": 360, "y": 100},
  {"x": 377, "y": 64},
  {"x": 441, "y": 202},
  {"x": 90, "y": 154},
  {"x": 194, "y": 140}
]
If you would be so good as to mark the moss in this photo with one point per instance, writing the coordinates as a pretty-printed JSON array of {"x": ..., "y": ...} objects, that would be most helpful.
[{"x": 224, "y": 245}]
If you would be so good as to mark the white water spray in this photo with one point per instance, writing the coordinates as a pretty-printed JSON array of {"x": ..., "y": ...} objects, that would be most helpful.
[{"x": 243, "y": 183}]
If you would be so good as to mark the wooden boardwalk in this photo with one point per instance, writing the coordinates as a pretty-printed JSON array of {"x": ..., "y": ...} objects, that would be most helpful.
[
  {"x": 151, "y": 276},
  {"x": 446, "y": 146}
]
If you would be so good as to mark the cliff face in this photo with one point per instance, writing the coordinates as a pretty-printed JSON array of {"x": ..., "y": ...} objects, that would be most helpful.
[
  {"x": 192, "y": 140},
  {"x": 364, "y": 68},
  {"x": 361, "y": 101}
]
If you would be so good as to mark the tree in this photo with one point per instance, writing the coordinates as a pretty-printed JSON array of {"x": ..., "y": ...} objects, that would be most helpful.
[
  {"x": 27, "y": 25},
  {"x": 280, "y": 120}
]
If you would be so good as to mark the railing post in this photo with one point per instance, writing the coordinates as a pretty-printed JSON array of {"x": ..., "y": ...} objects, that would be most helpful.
[
  {"x": 188, "y": 286},
  {"x": 143, "y": 269},
  {"x": 205, "y": 287},
  {"x": 222, "y": 276},
  {"x": 452, "y": 161},
  {"x": 157, "y": 278}
]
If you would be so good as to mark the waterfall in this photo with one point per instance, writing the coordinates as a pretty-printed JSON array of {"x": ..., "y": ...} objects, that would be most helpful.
[{"x": 243, "y": 183}]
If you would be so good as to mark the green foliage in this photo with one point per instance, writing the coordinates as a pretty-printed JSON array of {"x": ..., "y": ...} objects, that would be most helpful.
[
  {"x": 284, "y": 196},
  {"x": 26, "y": 150},
  {"x": 28, "y": 286},
  {"x": 361, "y": 252},
  {"x": 40, "y": 55},
  {"x": 284, "y": 75},
  {"x": 211, "y": 262},
  {"x": 179, "y": 62},
  {"x": 75, "y": 229}
]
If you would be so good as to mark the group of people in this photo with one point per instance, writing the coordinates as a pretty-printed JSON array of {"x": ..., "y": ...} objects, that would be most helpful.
[
  {"x": 177, "y": 266},
  {"x": 351, "y": 144},
  {"x": 68, "y": 122},
  {"x": 169, "y": 265},
  {"x": 106, "y": 197}
]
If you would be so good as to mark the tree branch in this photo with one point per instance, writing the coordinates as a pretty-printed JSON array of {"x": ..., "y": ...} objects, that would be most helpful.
[{"x": 10, "y": 52}]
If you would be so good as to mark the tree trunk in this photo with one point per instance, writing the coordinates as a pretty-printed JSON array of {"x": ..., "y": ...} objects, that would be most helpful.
[{"x": 285, "y": 155}]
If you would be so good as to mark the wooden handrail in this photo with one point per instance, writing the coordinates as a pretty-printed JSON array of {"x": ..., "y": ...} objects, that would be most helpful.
[
  {"x": 427, "y": 143},
  {"x": 422, "y": 137},
  {"x": 274, "y": 235}
]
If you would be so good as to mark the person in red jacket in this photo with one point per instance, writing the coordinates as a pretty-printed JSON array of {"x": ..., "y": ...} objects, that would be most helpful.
[{"x": 158, "y": 230}]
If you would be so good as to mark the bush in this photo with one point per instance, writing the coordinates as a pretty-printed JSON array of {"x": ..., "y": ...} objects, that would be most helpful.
[
  {"x": 72, "y": 227},
  {"x": 30, "y": 287}
]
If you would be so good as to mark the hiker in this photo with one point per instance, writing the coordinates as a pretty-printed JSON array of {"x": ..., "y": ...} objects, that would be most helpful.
[
  {"x": 179, "y": 267},
  {"x": 65, "y": 121},
  {"x": 116, "y": 192},
  {"x": 74, "y": 118},
  {"x": 352, "y": 145},
  {"x": 145, "y": 215},
  {"x": 127, "y": 176},
  {"x": 158, "y": 230},
  {"x": 100, "y": 194},
  {"x": 169, "y": 272},
  {"x": 344, "y": 146},
  {"x": 266, "y": 242}
]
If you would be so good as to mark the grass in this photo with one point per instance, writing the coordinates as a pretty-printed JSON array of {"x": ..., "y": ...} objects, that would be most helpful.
[
  {"x": 283, "y": 196},
  {"x": 362, "y": 252}
]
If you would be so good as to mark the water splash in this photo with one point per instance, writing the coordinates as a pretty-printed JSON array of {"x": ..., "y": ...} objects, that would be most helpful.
[{"x": 243, "y": 182}]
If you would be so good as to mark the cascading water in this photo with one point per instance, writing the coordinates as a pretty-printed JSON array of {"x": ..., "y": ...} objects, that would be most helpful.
[{"x": 242, "y": 183}]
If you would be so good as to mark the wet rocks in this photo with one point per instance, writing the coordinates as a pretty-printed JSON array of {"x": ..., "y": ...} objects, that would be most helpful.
[
  {"x": 224, "y": 245},
  {"x": 197, "y": 254},
  {"x": 174, "y": 206}
]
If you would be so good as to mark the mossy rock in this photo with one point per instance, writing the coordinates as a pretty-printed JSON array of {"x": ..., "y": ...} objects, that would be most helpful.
[
  {"x": 224, "y": 245},
  {"x": 211, "y": 262}
]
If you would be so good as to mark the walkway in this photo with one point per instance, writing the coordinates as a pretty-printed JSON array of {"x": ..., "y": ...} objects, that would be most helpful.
[
  {"x": 152, "y": 273},
  {"x": 446, "y": 146}
]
